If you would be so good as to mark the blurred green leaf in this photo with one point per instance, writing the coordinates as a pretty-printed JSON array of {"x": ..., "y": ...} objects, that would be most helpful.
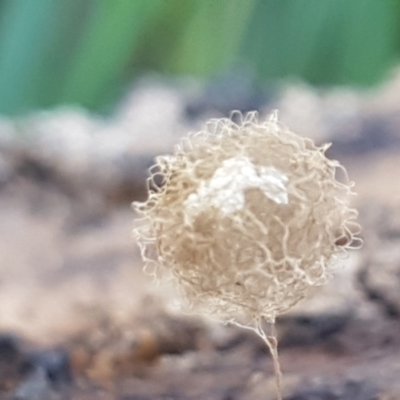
[
  {"x": 112, "y": 35},
  {"x": 24, "y": 36},
  {"x": 368, "y": 40},
  {"x": 161, "y": 37},
  {"x": 212, "y": 36},
  {"x": 323, "y": 41},
  {"x": 64, "y": 35}
]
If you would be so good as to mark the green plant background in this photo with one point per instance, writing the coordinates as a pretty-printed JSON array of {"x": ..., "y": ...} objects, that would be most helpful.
[{"x": 87, "y": 52}]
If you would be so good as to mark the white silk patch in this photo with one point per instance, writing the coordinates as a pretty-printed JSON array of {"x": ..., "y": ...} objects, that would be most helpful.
[{"x": 225, "y": 190}]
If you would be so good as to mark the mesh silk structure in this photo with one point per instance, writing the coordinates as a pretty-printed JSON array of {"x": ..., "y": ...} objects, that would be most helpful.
[{"x": 246, "y": 218}]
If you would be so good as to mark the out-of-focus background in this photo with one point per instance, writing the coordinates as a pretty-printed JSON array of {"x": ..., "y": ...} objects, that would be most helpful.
[
  {"x": 90, "y": 92},
  {"x": 91, "y": 52}
]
